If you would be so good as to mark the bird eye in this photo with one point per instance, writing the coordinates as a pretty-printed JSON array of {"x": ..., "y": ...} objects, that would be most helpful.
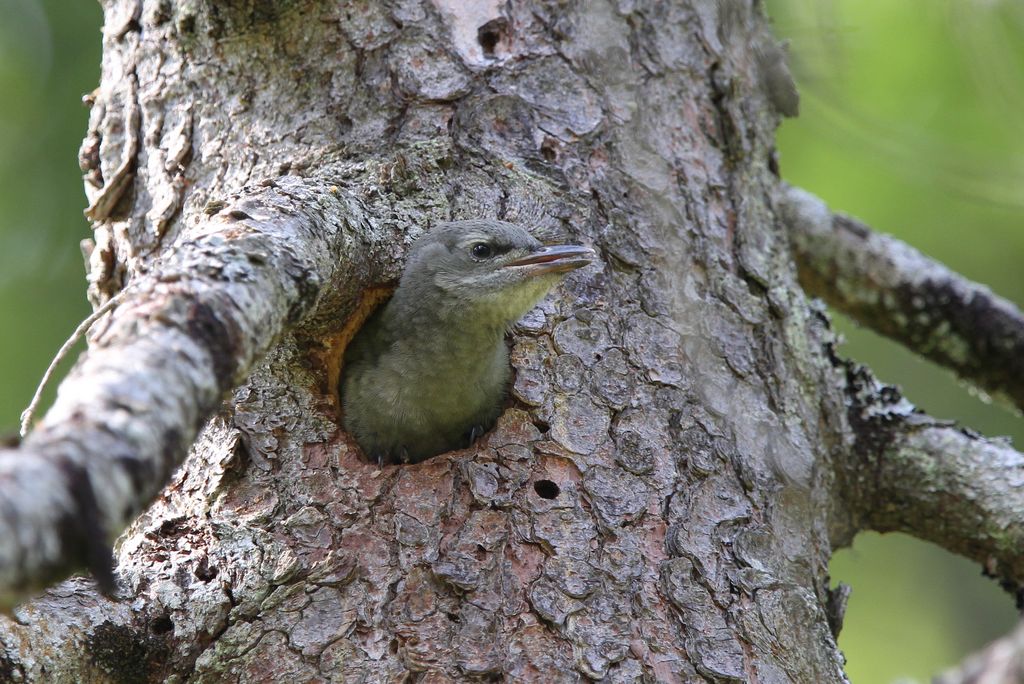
[{"x": 481, "y": 250}]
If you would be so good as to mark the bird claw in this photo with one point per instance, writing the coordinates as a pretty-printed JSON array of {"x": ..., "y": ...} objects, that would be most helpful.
[
  {"x": 386, "y": 457},
  {"x": 475, "y": 433}
]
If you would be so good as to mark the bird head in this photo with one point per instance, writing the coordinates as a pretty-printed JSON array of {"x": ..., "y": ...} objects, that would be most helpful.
[{"x": 490, "y": 270}]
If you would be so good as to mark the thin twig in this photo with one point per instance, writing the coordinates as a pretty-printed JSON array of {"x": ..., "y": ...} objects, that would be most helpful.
[{"x": 83, "y": 327}]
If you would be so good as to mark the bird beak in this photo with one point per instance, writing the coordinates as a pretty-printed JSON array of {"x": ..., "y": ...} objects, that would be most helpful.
[{"x": 555, "y": 259}]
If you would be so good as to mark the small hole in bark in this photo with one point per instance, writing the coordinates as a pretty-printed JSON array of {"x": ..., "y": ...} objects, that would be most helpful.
[
  {"x": 205, "y": 572},
  {"x": 173, "y": 528},
  {"x": 187, "y": 24},
  {"x": 132, "y": 26},
  {"x": 162, "y": 625},
  {"x": 548, "y": 150},
  {"x": 490, "y": 34},
  {"x": 546, "y": 489},
  {"x": 488, "y": 39},
  {"x": 393, "y": 646}
]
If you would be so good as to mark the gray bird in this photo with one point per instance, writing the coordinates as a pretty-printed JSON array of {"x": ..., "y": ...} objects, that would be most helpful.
[{"x": 429, "y": 371}]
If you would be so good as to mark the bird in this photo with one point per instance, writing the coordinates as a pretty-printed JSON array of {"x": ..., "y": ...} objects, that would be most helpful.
[{"x": 429, "y": 370}]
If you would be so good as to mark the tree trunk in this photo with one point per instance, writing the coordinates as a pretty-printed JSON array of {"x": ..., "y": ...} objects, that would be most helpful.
[{"x": 660, "y": 499}]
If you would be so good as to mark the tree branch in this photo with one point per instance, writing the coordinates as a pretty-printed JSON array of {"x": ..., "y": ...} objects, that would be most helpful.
[
  {"x": 1001, "y": 662},
  {"x": 892, "y": 288},
  {"x": 187, "y": 333},
  {"x": 911, "y": 473}
]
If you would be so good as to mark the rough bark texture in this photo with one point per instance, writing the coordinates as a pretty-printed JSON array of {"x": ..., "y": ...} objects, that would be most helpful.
[
  {"x": 122, "y": 422},
  {"x": 659, "y": 501}
]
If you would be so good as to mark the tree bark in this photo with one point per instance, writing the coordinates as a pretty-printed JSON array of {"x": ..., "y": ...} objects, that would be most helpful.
[{"x": 681, "y": 450}]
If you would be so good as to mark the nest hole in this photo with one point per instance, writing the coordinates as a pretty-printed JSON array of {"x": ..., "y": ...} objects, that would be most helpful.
[{"x": 546, "y": 489}]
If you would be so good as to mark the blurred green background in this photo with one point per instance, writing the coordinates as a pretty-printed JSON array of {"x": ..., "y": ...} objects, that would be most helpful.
[
  {"x": 911, "y": 120},
  {"x": 49, "y": 58}
]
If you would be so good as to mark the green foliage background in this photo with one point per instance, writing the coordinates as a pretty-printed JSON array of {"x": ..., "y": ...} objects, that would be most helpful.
[
  {"x": 911, "y": 120},
  {"x": 49, "y": 58}
]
